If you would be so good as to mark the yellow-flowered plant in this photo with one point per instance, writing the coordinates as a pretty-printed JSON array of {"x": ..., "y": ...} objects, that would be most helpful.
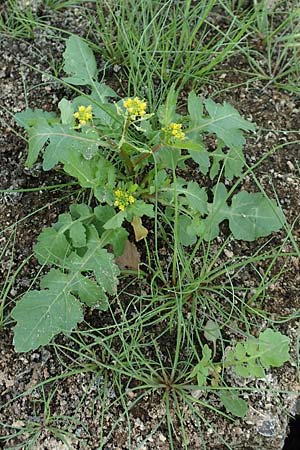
[
  {"x": 83, "y": 115},
  {"x": 123, "y": 199},
  {"x": 129, "y": 165},
  {"x": 135, "y": 107},
  {"x": 174, "y": 130}
]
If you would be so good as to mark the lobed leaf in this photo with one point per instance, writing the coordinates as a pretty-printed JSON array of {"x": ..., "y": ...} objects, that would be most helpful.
[
  {"x": 196, "y": 197},
  {"x": 52, "y": 247},
  {"x": 253, "y": 215},
  {"x": 97, "y": 260},
  {"x": 233, "y": 162},
  {"x": 202, "y": 370},
  {"x": 217, "y": 212},
  {"x": 40, "y": 315},
  {"x": 88, "y": 273},
  {"x": 30, "y": 117},
  {"x": 273, "y": 348},
  {"x": 79, "y": 62},
  {"x": 249, "y": 358},
  {"x": 226, "y": 122}
]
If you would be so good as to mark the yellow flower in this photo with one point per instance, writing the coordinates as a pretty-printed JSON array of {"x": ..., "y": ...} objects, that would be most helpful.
[
  {"x": 174, "y": 131},
  {"x": 135, "y": 107},
  {"x": 83, "y": 115},
  {"x": 123, "y": 199}
]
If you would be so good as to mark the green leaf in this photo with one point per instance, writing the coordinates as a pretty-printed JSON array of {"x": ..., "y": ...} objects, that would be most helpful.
[
  {"x": 101, "y": 92},
  {"x": 52, "y": 247},
  {"x": 78, "y": 235},
  {"x": 61, "y": 141},
  {"x": 184, "y": 236},
  {"x": 30, "y": 117},
  {"x": 167, "y": 157},
  {"x": 196, "y": 197},
  {"x": 158, "y": 180},
  {"x": 273, "y": 348},
  {"x": 190, "y": 194},
  {"x": 89, "y": 292},
  {"x": 198, "y": 153},
  {"x": 105, "y": 173},
  {"x": 115, "y": 222},
  {"x": 253, "y": 215},
  {"x": 104, "y": 213},
  {"x": 233, "y": 403},
  {"x": 233, "y": 161},
  {"x": 196, "y": 150},
  {"x": 168, "y": 193},
  {"x": 217, "y": 212},
  {"x": 66, "y": 112},
  {"x": 80, "y": 210},
  {"x": 250, "y": 215},
  {"x": 249, "y": 358},
  {"x": 100, "y": 262},
  {"x": 64, "y": 221},
  {"x": 217, "y": 156},
  {"x": 254, "y": 369},
  {"x": 118, "y": 240},
  {"x": 203, "y": 368},
  {"x": 92, "y": 146},
  {"x": 195, "y": 109},
  {"x": 89, "y": 273},
  {"x": 36, "y": 141},
  {"x": 40, "y": 315},
  {"x": 244, "y": 359},
  {"x": 201, "y": 157},
  {"x": 79, "y": 62},
  {"x": 84, "y": 287},
  {"x": 139, "y": 209},
  {"x": 212, "y": 331},
  {"x": 167, "y": 112},
  {"x": 119, "y": 235},
  {"x": 196, "y": 227},
  {"x": 65, "y": 141},
  {"x": 226, "y": 123},
  {"x": 104, "y": 194},
  {"x": 85, "y": 171}
]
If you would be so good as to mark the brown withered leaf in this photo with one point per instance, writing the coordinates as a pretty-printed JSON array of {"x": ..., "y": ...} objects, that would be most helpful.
[{"x": 130, "y": 259}]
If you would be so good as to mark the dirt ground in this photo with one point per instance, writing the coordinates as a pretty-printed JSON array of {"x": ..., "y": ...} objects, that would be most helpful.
[{"x": 76, "y": 403}]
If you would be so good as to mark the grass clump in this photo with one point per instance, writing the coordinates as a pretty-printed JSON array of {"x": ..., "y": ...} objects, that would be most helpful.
[{"x": 158, "y": 44}]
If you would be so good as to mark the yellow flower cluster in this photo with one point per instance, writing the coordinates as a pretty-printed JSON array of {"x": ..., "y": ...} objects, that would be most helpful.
[
  {"x": 174, "y": 130},
  {"x": 84, "y": 114},
  {"x": 135, "y": 107},
  {"x": 123, "y": 199}
]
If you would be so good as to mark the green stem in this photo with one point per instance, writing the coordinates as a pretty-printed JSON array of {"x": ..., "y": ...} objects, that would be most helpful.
[{"x": 175, "y": 255}]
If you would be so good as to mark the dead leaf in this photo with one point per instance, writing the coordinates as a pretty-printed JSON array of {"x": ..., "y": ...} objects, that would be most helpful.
[
  {"x": 140, "y": 231},
  {"x": 130, "y": 259}
]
